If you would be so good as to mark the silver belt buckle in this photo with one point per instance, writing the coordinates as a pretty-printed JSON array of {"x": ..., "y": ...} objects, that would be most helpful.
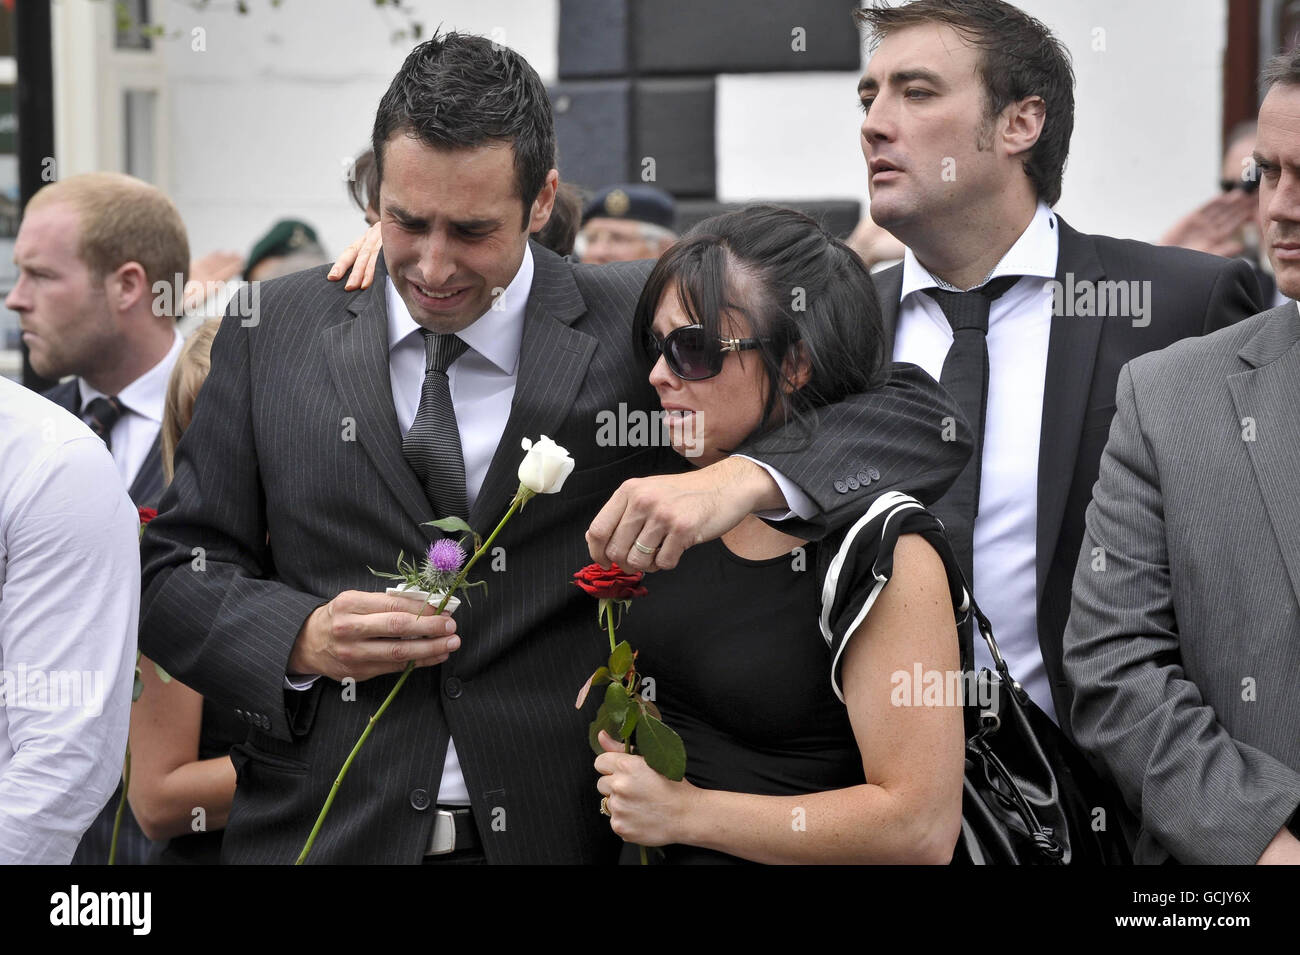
[{"x": 443, "y": 839}]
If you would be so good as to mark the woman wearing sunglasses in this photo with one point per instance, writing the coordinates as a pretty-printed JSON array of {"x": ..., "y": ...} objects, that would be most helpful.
[
  {"x": 765, "y": 659},
  {"x": 796, "y": 751}
]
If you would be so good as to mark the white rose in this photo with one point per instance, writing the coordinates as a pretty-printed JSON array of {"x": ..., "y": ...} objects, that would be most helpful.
[{"x": 545, "y": 467}]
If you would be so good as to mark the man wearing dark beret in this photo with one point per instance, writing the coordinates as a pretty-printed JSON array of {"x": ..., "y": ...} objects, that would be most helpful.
[{"x": 626, "y": 223}]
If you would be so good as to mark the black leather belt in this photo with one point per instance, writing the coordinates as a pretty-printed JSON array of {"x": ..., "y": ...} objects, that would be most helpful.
[{"x": 453, "y": 831}]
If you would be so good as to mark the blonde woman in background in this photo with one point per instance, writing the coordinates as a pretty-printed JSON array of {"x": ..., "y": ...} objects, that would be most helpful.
[{"x": 182, "y": 779}]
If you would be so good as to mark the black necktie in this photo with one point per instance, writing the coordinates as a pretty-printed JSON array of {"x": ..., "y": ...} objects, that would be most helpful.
[
  {"x": 101, "y": 414},
  {"x": 432, "y": 446},
  {"x": 966, "y": 376}
]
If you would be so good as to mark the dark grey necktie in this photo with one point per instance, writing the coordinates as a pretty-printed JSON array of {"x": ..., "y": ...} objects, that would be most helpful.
[
  {"x": 966, "y": 376},
  {"x": 100, "y": 415},
  {"x": 432, "y": 446}
]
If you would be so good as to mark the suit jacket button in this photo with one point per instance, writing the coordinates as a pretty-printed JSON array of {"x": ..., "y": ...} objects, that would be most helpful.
[
  {"x": 452, "y": 688},
  {"x": 266, "y": 722},
  {"x": 873, "y": 474},
  {"x": 420, "y": 799},
  {"x": 853, "y": 483},
  {"x": 864, "y": 478},
  {"x": 841, "y": 487}
]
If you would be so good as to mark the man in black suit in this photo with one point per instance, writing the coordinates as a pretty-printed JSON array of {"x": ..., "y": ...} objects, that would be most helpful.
[
  {"x": 106, "y": 247},
  {"x": 969, "y": 109},
  {"x": 335, "y": 424}
]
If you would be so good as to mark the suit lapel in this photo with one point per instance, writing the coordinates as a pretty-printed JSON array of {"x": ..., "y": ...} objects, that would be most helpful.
[
  {"x": 148, "y": 484},
  {"x": 553, "y": 360},
  {"x": 1267, "y": 395},
  {"x": 1071, "y": 355},
  {"x": 357, "y": 351},
  {"x": 889, "y": 286}
]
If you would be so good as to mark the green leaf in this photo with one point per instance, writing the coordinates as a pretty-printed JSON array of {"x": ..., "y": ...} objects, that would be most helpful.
[
  {"x": 138, "y": 688},
  {"x": 620, "y": 661},
  {"x": 593, "y": 731},
  {"x": 162, "y": 674},
  {"x": 662, "y": 748},
  {"x": 599, "y": 678},
  {"x": 616, "y": 705},
  {"x": 451, "y": 525},
  {"x": 629, "y": 722},
  {"x": 651, "y": 708}
]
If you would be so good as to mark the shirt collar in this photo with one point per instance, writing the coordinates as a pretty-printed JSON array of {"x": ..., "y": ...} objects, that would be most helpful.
[
  {"x": 147, "y": 394},
  {"x": 1034, "y": 253},
  {"x": 496, "y": 335}
]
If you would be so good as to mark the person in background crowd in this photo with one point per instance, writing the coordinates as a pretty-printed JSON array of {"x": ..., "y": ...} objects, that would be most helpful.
[
  {"x": 363, "y": 185},
  {"x": 626, "y": 223},
  {"x": 561, "y": 229},
  {"x": 93, "y": 250},
  {"x": 1183, "y": 647},
  {"x": 70, "y": 567},
  {"x": 289, "y": 246},
  {"x": 992, "y": 298},
  {"x": 1228, "y": 225},
  {"x": 182, "y": 779}
]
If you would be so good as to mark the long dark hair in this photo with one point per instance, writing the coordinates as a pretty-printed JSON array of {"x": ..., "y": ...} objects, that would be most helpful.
[{"x": 798, "y": 287}]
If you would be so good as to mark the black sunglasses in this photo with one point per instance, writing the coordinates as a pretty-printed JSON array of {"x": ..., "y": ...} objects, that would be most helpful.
[{"x": 693, "y": 354}]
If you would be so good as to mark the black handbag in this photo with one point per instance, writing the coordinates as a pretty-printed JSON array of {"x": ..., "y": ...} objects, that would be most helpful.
[{"x": 1030, "y": 797}]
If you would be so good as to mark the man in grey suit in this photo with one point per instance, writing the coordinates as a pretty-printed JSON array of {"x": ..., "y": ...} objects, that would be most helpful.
[
  {"x": 335, "y": 423},
  {"x": 1183, "y": 643}
]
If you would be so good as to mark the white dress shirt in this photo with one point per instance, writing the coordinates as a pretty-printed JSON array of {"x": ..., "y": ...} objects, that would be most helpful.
[
  {"x": 69, "y": 603},
  {"x": 1007, "y": 524},
  {"x": 143, "y": 399},
  {"x": 482, "y": 384}
]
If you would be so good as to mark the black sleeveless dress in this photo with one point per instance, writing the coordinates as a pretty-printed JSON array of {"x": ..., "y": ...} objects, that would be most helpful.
[{"x": 742, "y": 673}]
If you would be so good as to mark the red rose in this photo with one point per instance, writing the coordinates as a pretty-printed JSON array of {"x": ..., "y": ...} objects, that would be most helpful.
[
  {"x": 147, "y": 514},
  {"x": 611, "y": 584}
]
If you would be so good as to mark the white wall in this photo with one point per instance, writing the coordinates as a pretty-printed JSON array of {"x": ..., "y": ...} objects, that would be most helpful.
[
  {"x": 1147, "y": 116},
  {"x": 266, "y": 118}
]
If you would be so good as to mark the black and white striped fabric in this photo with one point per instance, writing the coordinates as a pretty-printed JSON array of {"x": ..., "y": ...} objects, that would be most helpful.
[
  {"x": 863, "y": 563},
  {"x": 433, "y": 443}
]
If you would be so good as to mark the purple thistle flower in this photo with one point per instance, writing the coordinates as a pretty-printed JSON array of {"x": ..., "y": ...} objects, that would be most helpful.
[{"x": 446, "y": 556}]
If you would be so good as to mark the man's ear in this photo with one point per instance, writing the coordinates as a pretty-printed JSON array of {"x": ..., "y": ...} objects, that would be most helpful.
[
  {"x": 1025, "y": 121},
  {"x": 127, "y": 285},
  {"x": 544, "y": 203},
  {"x": 796, "y": 369}
]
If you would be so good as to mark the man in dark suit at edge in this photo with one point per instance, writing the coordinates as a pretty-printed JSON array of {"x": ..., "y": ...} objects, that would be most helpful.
[
  {"x": 969, "y": 110},
  {"x": 303, "y": 467}
]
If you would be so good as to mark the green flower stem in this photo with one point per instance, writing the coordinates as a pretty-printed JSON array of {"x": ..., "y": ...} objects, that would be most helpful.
[
  {"x": 521, "y": 498},
  {"x": 609, "y": 619},
  {"x": 121, "y": 806}
]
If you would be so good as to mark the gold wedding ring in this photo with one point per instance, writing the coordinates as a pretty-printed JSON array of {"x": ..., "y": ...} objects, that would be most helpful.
[
  {"x": 604, "y": 805},
  {"x": 643, "y": 549}
]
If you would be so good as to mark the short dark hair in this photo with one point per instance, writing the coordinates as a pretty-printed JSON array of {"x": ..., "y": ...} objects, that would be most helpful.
[
  {"x": 1283, "y": 68},
  {"x": 808, "y": 290},
  {"x": 1019, "y": 57},
  {"x": 461, "y": 91}
]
